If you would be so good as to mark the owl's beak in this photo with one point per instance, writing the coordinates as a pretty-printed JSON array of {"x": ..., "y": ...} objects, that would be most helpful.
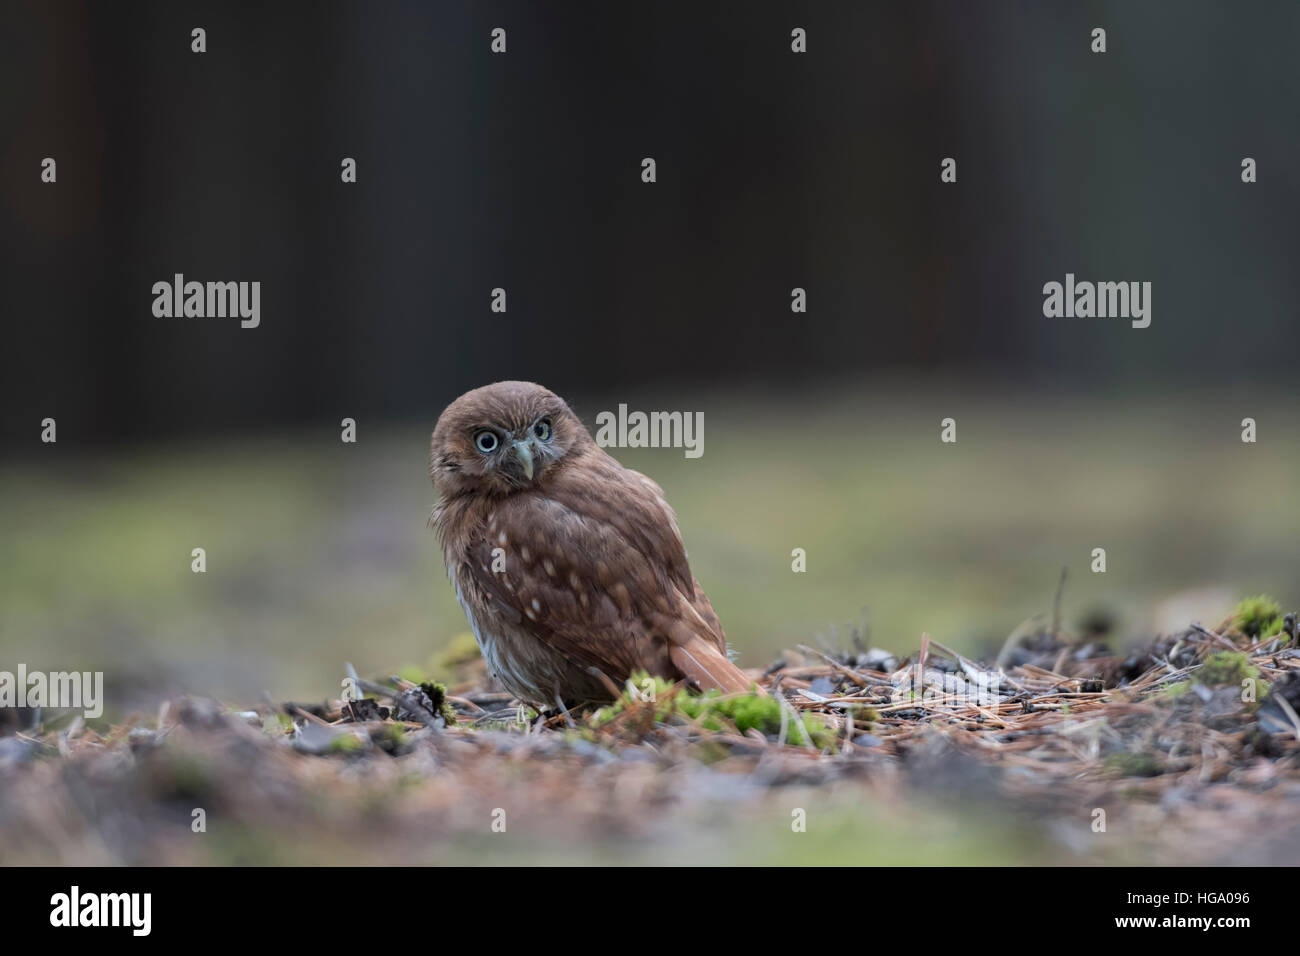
[{"x": 525, "y": 456}]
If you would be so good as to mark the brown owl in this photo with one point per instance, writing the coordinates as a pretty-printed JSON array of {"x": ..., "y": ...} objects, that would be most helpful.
[{"x": 568, "y": 565}]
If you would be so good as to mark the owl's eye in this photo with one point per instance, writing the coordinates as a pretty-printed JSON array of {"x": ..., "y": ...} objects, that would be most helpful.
[
  {"x": 486, "y": 442},
  {"x": 543, "y": 430}
]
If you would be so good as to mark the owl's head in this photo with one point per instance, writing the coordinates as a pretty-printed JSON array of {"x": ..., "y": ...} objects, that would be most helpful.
[{"x": 502, "y": 438}]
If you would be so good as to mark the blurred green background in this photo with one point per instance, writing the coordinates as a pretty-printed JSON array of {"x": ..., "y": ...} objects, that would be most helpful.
[
  {"x": 522, "y": 172},
  {"x": 318, "y": 551}
]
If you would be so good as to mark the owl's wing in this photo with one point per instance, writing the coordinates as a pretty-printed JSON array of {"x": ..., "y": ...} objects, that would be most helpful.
[
  {"x": 595, "y": 568},
  {"x": 708, "y": 665}
]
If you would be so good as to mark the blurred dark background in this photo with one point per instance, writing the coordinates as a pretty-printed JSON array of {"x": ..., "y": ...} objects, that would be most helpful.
[{"x": 522, "y": 170}]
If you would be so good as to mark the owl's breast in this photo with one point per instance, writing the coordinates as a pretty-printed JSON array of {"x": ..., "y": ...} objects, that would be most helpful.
[{"x": 524, "y": 664}]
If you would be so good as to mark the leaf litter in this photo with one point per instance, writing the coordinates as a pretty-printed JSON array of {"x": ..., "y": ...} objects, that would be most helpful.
[{"x": 1189, "y": 747}]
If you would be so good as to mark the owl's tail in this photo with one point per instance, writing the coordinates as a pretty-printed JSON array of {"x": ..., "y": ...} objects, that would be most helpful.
[{"x": 708, "y": 668}]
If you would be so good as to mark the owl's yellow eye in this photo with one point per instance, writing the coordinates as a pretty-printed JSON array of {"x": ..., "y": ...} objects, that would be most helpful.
[
  {"x": 543, "y": 430},
  {"x": 486, "y": 441}
]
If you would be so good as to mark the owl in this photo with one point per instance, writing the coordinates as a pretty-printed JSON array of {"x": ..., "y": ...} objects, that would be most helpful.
[{"x": 569, "y": 567}]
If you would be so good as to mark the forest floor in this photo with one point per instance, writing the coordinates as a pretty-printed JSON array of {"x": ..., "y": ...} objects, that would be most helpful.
[{"x": 1058, "y": 751}]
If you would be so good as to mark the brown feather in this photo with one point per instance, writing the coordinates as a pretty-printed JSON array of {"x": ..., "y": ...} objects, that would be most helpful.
[
  {"x": 705, "y": 668},
  {"x": 595, "y": 583}
]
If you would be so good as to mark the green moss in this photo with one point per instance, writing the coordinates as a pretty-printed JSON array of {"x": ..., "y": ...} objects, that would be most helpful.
[
  {"x": 1271, "y": 628},
  {"x": 1128, "y": 764},
  {"x": 641, "y": 689},
  {"x": 1174, "y": 691},
  {"x": 747, "y": 713},
  {"x": 1258, "y": 616},
  {"x": 713, "y": 711},
  {"x": 864, "y": 715},
  {"x": 347, "y": 743},
  {"x": 823, "y": 735},
  {"x": 437, "y": 693},
  {"x": 1225, "y": 667}
]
